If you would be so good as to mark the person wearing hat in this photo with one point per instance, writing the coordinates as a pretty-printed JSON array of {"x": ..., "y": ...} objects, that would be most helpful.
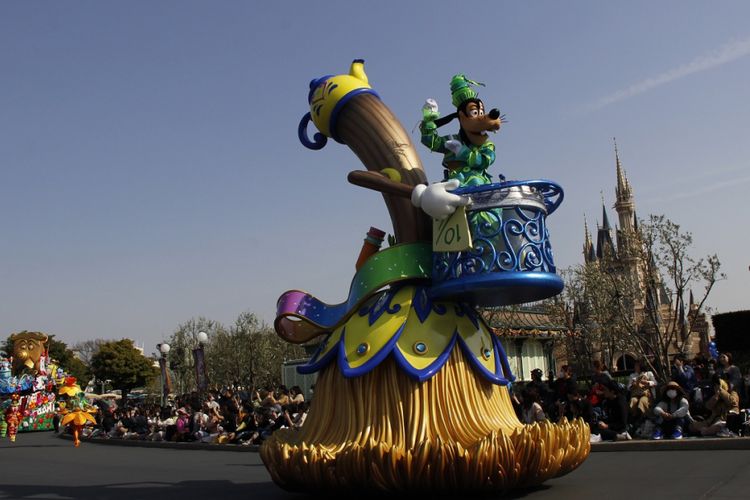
[
  {"x": 469, "y": 154},
  {"x": 672, "y": 412},
  {"x": 182, "y": 429},
  {"x": 641, "y": 384}
]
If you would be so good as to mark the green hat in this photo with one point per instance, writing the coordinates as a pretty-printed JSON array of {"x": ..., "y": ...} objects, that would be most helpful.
[{"x": 461, "y": 91}]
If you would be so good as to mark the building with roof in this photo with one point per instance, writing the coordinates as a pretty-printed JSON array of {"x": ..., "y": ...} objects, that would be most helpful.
[{"x": 529, "y": 336}]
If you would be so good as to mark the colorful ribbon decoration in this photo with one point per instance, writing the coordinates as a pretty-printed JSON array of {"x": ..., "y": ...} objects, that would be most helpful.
[{"x": 300, "y": 316}]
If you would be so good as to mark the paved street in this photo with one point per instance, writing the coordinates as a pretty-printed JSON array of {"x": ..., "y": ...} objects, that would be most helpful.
[{"x": 41, "y": 466}]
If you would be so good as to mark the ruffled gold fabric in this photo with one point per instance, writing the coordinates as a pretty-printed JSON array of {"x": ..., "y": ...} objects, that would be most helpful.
[{"x": 454, "y": 432}]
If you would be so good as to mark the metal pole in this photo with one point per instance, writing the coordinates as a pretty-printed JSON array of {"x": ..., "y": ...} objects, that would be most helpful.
[{"x": 161, "y": 378}]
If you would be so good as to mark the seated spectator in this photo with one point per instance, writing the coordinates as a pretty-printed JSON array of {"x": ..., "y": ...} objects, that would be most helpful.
[
  {"x": 248, "y": 432},
  {"x": 296, "y": 395},
  {"x": 298, "y": 417},
  {"x": 542, "y": 389},
  {"x": 282, "y": 396},
  {"x": 564, "y": 385},
  {"x": 683, "y": 374},
  {"x": 531, "y": 408},
  {"x": 720, "y": 405},
  {"x": 730, "y": 372},
  {"x": 108, "y": 420},
  {"x": 614, "y": 427},
  {"x": 211, "y": 402},
  {"x": 139, "y": 424},
  {"x": 182, "y": 426},
  {"x": 266, "y": 398},
  {"x": 169, "y": 423},
  {"x": 272, "y": 422},
  {"x": 641, "y": 385},
  {"x": 672, "y": 412},
  {"x": 576, "y": 406},
  {"x": 600, "y": 374}
]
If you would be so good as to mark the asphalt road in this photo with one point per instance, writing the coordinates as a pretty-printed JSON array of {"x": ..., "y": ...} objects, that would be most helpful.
[{"x": 42, "y": 466}]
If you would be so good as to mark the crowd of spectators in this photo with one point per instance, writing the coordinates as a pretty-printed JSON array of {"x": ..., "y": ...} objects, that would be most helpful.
[
  {"x": 227, "y": 416},
  {"x": 704, "y": 397}
]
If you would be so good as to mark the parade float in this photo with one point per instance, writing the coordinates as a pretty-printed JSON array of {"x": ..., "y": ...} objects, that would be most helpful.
[
  {"x": 412, "y": 392},
  {"x": 27, "y": 385}
]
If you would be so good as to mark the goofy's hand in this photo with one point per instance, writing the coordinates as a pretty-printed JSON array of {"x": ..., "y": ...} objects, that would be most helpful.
[
  {"x": 454, "y": 145},
  {"x": 435, "y": 199},
  {"x": 430, "y": 110}
]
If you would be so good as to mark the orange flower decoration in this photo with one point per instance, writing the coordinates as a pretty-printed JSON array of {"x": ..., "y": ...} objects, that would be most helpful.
[{"x": 70, "y": 388}]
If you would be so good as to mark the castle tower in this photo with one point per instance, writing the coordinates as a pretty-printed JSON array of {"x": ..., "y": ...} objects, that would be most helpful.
[
  {"x": 624, "y": 204},
  {"x": 589, "y": 254},
  {"x": 604, "y": 243}
]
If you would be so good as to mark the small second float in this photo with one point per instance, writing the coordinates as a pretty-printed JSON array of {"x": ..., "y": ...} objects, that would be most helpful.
[
  {"x": 27, "y": 386},
  {"x": 412, "y": 392}
]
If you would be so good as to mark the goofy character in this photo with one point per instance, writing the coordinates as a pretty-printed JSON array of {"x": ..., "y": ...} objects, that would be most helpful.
[{"x": 469, "y": 154}]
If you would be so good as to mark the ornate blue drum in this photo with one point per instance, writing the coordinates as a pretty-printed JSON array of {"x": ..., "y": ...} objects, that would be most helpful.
[{"x": 511, "y": 258}]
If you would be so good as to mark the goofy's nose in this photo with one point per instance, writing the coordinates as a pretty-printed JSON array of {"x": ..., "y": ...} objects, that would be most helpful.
[{"x": 494, "y": 114}]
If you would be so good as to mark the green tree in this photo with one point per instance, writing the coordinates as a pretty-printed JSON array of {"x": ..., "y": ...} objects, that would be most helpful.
[
  {"x": 249, "y": 353},
  {"x": 123, "y": 364}
]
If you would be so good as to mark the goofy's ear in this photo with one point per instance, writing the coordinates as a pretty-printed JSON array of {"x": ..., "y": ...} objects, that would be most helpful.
[{"x": 445, "y": 119}]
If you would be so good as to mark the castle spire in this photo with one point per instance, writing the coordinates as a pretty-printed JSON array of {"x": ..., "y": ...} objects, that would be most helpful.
[
  {"x": 623, "y": 189},
  {"x": 605, "y": 220},
  {"x": 589, "y": 255},
  {"x": 624, "y": 203}
]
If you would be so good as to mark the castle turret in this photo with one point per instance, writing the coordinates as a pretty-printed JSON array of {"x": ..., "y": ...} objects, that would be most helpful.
[
  {"x": 604, "y": 242},
  {"x": 624, "y": 204},
  {"x": 589, "y": 254}
]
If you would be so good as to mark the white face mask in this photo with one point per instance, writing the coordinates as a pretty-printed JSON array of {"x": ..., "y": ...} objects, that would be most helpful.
[{"x": 671, "y": 393}]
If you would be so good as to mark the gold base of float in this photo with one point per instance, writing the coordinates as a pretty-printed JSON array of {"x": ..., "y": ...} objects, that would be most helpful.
[{"x": 453, "y": 432}]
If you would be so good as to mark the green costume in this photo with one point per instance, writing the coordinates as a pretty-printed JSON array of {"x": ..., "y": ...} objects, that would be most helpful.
[{"x": 474, "y": 160}]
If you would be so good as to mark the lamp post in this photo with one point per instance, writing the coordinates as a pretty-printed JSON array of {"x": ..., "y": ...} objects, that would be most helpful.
[
  {"x": 165, "y": 382},
  {"x": 201, "y": 377}
]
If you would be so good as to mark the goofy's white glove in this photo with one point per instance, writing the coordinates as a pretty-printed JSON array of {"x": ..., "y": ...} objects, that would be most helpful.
[{"x": 435, "y": 199}]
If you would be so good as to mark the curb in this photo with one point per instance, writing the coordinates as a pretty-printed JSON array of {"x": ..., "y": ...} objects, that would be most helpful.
[
  {"x": 686, "y": 444},
  {"x": 167, "y": 445}
]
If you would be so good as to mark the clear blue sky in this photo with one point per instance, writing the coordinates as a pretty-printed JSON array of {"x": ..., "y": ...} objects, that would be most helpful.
[{"x": 150, "y": 170}]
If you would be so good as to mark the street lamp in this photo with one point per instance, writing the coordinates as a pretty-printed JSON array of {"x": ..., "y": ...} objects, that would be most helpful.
[
  {"x": 201, "y": 377},
  {"x": 165, "y": 383},
  {"x": 202, "y": 338}
]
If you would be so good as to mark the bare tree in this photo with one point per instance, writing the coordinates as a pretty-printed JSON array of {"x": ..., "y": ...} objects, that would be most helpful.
[
  {"x": 86, "y": 349},
  {"x": 638, "y": 301}
]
